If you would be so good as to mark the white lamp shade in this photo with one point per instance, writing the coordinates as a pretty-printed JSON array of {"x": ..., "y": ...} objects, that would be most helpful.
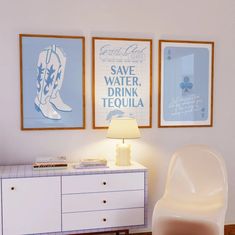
[{"x": 123, "y": 128}]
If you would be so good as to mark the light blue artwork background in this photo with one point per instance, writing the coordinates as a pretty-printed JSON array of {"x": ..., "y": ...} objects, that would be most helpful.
[
  {"x": 186, "y": 84},
  {"x": 71, "y": 90}
]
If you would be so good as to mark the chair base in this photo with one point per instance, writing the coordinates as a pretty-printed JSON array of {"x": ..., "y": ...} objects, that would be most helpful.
[{"x": 182, "y": 227}]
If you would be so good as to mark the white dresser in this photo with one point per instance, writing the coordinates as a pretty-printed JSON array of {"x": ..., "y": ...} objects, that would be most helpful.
[{"x": 72, "y": 201}]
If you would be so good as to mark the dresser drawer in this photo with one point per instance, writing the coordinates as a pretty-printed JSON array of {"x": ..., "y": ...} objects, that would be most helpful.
[
  {"x": 102, "y": 219},
  {"x": 102, "y": 201},
  {"x": 102, "y": 182}
]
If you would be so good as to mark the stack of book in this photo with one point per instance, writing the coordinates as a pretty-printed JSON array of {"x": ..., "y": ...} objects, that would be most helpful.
[
  {"x": 51, "y": 163},
  {"x": 91, "y": 163}
]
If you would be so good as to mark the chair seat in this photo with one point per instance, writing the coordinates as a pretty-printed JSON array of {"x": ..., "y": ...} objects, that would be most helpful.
[{"x": 191, "y": 207}]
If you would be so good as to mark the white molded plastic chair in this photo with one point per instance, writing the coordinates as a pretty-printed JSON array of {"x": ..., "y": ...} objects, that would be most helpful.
[{"x": 195, "y": 197}]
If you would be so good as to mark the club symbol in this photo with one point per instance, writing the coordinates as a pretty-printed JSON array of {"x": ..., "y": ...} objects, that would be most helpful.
[{"x": 186, "y": 85}]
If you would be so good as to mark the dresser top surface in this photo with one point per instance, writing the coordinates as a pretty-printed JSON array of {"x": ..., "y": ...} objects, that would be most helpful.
[{"x": 20, "y": 171}]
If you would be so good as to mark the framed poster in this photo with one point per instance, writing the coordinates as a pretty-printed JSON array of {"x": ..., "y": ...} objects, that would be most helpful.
[
  {"x": 122, "y": 80},
  {"x": 185, "y": 83},
  {"x": 52, "y": 75}
]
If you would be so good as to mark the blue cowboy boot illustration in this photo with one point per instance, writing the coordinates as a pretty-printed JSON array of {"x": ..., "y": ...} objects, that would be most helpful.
[
  {"x": 48, "y": 65},
  {"x": 51, "y": 66}
]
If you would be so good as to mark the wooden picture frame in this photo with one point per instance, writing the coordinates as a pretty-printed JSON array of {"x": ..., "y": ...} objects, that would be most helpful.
[
  {"x": 52, "y": 79},
  {"x": 121, "y": 80},
  {"x": 186, "y": 71}
]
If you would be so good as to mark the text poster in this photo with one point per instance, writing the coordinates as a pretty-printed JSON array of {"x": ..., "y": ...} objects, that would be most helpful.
[{"x": 121, "y": 80}]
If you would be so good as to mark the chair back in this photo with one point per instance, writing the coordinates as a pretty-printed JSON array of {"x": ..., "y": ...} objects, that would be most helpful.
[{"x": 197, "y": 174}]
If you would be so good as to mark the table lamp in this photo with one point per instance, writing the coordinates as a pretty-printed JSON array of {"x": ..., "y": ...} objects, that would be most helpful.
[{"x": 123, "y": 128}]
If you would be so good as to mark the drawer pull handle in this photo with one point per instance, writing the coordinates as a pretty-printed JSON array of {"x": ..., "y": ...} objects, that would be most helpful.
[
  {"x": 12, "y": 188},
  {"x": 104, "y": 201},
  {"x": 104, "y": 183},
  {"x": 104, "y": 219}
]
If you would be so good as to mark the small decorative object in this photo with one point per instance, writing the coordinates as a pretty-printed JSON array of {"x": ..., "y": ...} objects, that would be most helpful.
[
  {"x": 52, "y": 82},
  {"x": 59, "y": 162},
  {"x": 122, "y": 80},
  {"x": 91, "y": 163},
  {"x": 185, "y": 83},
  {"x": 123, "y": 128}
]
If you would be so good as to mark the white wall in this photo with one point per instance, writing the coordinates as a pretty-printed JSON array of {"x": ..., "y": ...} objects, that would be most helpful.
[{"x": 157, "y": 19}]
